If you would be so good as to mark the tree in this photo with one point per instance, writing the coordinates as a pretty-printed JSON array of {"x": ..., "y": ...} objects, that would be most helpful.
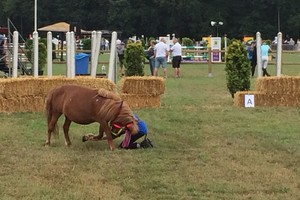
[
  {"x": 237, "y": 68},
  {"x": 161, "y": 17},
  {"x": 134, "y": 59}
]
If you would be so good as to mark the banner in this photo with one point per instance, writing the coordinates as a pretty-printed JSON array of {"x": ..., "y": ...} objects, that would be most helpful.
[{"x": 215, "y": 48}]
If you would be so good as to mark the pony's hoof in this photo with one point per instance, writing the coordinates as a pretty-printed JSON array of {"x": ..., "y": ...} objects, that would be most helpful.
[
  {"x": 85, "y": 138},
  {"x": 112, "y": 148}
]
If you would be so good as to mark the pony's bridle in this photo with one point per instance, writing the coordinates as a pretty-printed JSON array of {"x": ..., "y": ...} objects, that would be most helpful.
[{"x": 119, "y": 126}]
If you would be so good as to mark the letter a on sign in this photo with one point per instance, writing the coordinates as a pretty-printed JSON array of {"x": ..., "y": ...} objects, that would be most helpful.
[{"x": 249, "y": 101}]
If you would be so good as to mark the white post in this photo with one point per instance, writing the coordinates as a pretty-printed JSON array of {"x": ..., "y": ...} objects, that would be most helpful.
[
  {"x": 225, "y": 46},
  {"x": 15, "y": 54},
  {"x": 49, "y": 54},
  {"x": 35, "y": 15},
  {"x": 36, "y": 54},
  {"x": 72, "y": 55},
  {"x": 68, "y": 38},
  {"x": 258, "y": 53},
  {"x": 279, "y": 54},
  {"x": 93, "y": 51},
  {"x": 94, "y": 64},
  {"x": 112, "y": 59}
]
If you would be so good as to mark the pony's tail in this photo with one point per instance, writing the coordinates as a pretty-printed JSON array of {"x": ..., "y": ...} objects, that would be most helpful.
[{"x": 48, "y": 113}]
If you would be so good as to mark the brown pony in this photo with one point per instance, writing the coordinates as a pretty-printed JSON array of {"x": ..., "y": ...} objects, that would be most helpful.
[{"x": 83, "y": 105}]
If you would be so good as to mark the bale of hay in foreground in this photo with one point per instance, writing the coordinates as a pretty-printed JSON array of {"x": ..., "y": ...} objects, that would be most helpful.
[
  {"x": 143, "y": 85},
  {"x": 141, "y": 100},
  {"x": 239, "y": 98},
  {"x": 265, "y": 99}
]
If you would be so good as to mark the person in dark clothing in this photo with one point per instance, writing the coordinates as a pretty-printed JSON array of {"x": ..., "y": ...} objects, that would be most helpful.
[
  {"x": 129, "y": 141},
  {"x": 253, "y": 59},
  {"x": 120, "y": 50}
]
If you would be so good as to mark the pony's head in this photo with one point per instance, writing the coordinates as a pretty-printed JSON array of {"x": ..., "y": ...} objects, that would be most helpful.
[
  {"x": 125, "y": 120},
  {"x": 119, "y": 112}
]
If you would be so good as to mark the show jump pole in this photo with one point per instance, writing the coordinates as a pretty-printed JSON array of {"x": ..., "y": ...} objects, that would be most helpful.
[{"x": 258, "y": 53}]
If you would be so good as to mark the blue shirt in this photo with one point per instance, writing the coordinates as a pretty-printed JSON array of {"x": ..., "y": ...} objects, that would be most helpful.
[
  {"x": 264, "y": 50},
  {"x": 142, "y": 125}
]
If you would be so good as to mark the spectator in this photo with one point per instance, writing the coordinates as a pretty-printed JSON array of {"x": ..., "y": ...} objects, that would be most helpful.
[
  {"x": 265, "y": 49},
  {"x": 161, "y": 54},
  {"x": 150, "y": 56},
  {"x": 176, "y": 57},
  {"x": 253, "y": 59},
  {"x": 102, "y": 44},
  {"x": 120, "y": 50}
]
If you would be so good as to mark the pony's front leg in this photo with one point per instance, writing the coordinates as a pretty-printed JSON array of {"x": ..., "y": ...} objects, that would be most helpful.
[
  {"x": 100, "y": 134},
  {"x": 92, "y": 137},
  {"x": 109, "y": 138}
]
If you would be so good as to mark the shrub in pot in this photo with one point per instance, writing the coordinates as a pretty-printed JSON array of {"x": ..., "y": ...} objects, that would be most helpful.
[
  {"x": 134, "y": 59},
  {"x": 237, "y": 68}
]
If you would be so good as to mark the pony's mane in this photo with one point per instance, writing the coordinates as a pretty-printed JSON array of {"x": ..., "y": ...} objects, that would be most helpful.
[
  {"x": 108, "y": 95},
  {"x": 126, "y": 114}
]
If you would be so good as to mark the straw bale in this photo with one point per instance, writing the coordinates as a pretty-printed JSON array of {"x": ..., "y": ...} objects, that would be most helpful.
[
  {"x": 28, "y": 94},
  {"x": 143, "y": 85},
  {"x": 141, "y": 100},
  {"x": 23, "y": 104},
  {"x": 279, "y": 85},
  {"x": 287, "y": 100},
  {"x": 239, "y": 98},
  {"x": 29, "y": 86},
  {"x": 266, "y": 99}
]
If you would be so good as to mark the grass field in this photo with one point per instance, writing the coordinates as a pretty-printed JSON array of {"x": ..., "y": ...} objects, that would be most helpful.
[{"x": 205, "y": 148}]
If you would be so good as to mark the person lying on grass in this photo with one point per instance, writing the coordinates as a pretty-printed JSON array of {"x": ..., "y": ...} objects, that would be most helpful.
[{"x": 129, "y": 141}]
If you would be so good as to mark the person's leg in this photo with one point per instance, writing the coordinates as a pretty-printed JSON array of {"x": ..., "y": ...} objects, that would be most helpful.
[
  {"x": 264, "y": 67},
  {"x": 152, "y": 66},
  {"x": 156, "y": 67},
  {"x": 174, "y": 66},
  {"x": 177, "y": 72},
  {"x": 253, "y": 69},
  {"x": 263, "y": 61},
  {"x": 133, "y": 144},
  {"x": 178, "y": 68},
  {"x": 164, "y": 65}
]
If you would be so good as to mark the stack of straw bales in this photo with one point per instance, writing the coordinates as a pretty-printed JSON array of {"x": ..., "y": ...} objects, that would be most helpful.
[
  {"x": 273, "y": 91},
  {"x": 140, "y": 92},
  {"x": 29, "y": 94}
]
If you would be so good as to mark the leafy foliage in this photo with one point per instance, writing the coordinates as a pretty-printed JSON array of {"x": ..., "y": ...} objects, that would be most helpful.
[
  {"x": 42, "y": 52},
  {"x": 187, "y": 42},
  {"x": 87, "y": 44},
  {"x": 237, "y": 68},
  {"x": 134, "y": 58},
  {"x": 132, "y": 17}
]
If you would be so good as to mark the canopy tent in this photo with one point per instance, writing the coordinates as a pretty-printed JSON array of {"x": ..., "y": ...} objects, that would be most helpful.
[{"x": 58, "y": 27}]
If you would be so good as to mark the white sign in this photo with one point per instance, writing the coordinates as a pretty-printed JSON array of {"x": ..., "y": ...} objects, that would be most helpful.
[
  {"x": 249, "y": 101},
  {"x": 215, "y": 46}
]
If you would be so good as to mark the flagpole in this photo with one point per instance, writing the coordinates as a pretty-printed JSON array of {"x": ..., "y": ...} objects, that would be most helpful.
[{"x": 35, "y": 15}]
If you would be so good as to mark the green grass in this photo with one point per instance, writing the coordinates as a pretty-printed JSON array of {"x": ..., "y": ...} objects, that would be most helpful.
[{"x": 205, "y": 148}]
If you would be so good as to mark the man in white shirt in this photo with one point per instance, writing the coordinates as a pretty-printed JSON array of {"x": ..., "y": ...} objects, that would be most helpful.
[
  {"x": 176, "y": 57},
  {"x": 161, "y": 54}
]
